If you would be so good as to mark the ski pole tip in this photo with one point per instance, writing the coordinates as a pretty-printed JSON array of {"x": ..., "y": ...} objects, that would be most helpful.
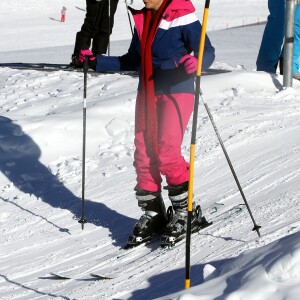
[
  {"x": 256, "y": 228},
  {"x": 82, "y": 222}
]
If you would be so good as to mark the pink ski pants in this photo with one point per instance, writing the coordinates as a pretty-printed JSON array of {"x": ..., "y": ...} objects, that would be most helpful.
[{"x": 173, "y": 111}]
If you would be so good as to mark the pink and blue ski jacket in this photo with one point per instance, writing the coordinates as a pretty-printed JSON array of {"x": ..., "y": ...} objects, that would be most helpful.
[{"x": 178, "y": 34}]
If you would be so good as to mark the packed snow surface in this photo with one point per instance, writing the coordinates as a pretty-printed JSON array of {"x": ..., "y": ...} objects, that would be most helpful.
[{"x": 41, "y": 127}]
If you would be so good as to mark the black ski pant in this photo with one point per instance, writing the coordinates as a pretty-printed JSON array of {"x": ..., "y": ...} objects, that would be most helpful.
[{"x": 97, "y": 26}]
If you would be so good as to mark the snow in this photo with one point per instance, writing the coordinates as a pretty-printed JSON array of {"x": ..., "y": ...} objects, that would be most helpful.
[{"x": 41, "y": 171}]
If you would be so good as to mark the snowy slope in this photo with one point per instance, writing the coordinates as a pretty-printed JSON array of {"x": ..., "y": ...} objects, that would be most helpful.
[
  {"x": 40, "y": 178},
  {"x": 35, "y": 27}
]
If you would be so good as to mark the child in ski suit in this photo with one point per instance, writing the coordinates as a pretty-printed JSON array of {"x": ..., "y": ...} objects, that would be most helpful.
[
  {"x": 271, "y": 48},
  {"x": 63, "y": 14},
  {"x": 166, "y": 33},
  {"x": 96, "y": 28}
]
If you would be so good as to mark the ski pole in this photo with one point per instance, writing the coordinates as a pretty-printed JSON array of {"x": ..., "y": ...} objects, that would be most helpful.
[
  {"x": 82, "y": 221},
  {"x": 108, "y": 52},
  {"x": 129, "y": 17},
  {"x": 192, "y": 147},
  {"x": 289, "y": 43},
  {"x": 198, "y": 94},
  {"x": 256, "y": 227}
]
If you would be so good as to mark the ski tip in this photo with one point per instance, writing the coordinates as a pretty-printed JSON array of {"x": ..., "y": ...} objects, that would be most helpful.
[
  {"x": 60, "y": 276},
  {"x": 101, "y": 276}
]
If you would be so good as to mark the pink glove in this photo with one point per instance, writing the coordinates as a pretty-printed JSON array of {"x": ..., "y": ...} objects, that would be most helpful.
[
  {"x": 86, "y": 53},
  {"x": 189, "y": 63}
]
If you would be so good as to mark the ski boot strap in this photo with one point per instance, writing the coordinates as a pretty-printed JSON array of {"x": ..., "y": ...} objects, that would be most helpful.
[
  {"x": 180, "y": 203},
  {"x": 178, "y": 189},
  {"x": 150, "y": 203}
]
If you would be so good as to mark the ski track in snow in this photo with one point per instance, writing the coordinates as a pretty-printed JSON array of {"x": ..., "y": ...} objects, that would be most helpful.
[{"x": 41, "y": 229}]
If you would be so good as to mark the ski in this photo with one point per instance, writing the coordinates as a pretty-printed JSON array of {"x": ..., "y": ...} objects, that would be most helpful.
[
  {"x": 129, "y": 266},
  {"x": 48, "y": 67},
  {"x": 126, "y": 260},
  {"x": 78, "y": 271},
  {"x": 114, "y": 271},
  {"x": 218, "y": 212},
  {"x": 132, "y": 265}
]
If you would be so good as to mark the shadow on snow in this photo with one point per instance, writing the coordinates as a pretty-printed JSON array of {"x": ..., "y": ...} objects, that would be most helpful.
[{"x": 19, "y": 162}]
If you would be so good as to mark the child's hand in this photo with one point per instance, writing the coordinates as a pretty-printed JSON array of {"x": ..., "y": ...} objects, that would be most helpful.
[
  {"x": 189, "y": 63},
  {"x": 86, "y": 53}
]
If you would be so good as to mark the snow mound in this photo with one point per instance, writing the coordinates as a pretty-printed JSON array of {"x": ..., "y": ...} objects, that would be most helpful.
[
  {"x": 256, "y": 274},
  {"x": 116, "y": 127},
  {"x": 286, "y": 266}
]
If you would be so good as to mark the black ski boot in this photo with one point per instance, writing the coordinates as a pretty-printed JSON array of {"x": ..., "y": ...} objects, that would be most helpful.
[
  {"x": 75, "y": 63},
  {"x": 177, "y": 220},
  {"x": 152, "y": 222}
]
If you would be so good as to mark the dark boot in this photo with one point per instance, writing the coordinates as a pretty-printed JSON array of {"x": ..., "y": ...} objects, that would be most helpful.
[
  {"x": 177, "y": 216},
  {"x": 152, "y": 222},
  {"x": 75, "y": 63}
]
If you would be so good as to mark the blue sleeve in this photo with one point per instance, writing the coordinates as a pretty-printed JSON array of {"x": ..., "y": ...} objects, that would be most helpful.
[
  {"x": 191, "y": 35},
  {"x": 107, "y": 63},
  {"x": 127, "y": 62},
  {"x": 209, "y": 54}
]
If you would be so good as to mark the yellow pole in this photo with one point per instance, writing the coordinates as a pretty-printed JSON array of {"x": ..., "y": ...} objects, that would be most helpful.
[{"x": 192, "y": 148}]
